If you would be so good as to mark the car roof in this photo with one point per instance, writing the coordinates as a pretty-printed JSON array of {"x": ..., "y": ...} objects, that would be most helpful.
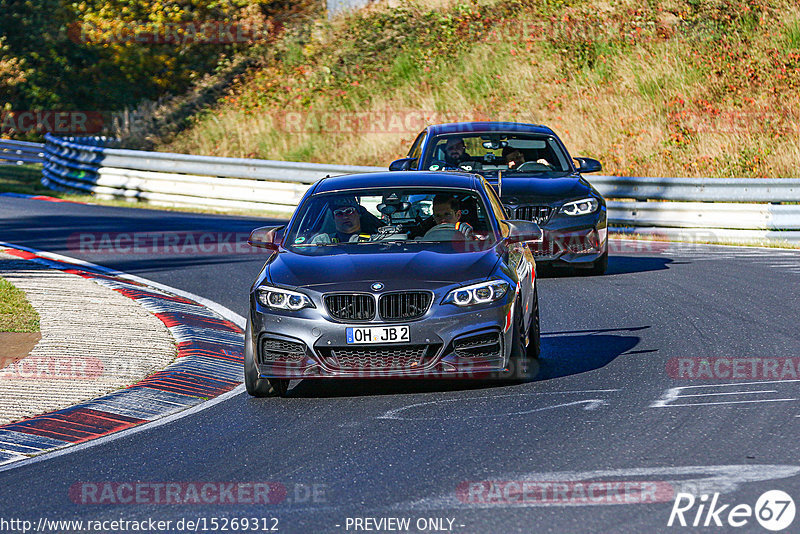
[
  {"x": 460, "y": 180},
  {"x": 488, "y": 126}
]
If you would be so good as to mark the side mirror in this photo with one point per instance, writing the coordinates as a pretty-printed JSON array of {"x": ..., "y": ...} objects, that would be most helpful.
[
  {"x": 588, "y": 165},
  {"x": 268, "y": 237},
  {"x": 523, "y": 232},
  {"x": 403, "y": 164}
]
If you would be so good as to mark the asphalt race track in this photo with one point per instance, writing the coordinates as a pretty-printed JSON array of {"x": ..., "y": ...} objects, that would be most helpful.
[{"x": 613, "y": 404}]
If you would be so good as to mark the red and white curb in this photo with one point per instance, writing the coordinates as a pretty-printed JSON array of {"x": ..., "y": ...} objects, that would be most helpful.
[{"x": 209, "y": 365}]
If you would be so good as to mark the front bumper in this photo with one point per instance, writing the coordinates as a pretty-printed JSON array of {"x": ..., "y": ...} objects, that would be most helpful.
[
  {"x": 447, "y": 341},
  {"x": 573, "y": 241},
  {"x": 576, "y": 248}
]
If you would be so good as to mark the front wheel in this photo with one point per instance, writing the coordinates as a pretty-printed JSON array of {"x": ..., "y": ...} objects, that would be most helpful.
[
  {"x": 534, "y": 331},
  {"x": 521, "y": 354},
  {"x": 257, "y": 386}
]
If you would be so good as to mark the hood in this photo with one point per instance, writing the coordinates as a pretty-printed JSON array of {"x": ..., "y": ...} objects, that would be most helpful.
[
  {"x": 395, "y": 269},
  {"x": 521, "y": 189}
]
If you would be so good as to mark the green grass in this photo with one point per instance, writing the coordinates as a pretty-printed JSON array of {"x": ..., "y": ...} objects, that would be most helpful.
[
  {"x": 16, "y": 313},
  {"x": 24, "y": 179},
  {"x": 792, "y": 33}
]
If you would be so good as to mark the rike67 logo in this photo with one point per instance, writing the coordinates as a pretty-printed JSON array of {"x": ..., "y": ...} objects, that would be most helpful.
[{"x": 774, "y": 510}]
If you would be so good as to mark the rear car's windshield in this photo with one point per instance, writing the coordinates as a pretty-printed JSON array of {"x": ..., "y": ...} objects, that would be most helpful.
[
  {"x": 515, "y": 153},
  {"x": 405, "y": 217}
]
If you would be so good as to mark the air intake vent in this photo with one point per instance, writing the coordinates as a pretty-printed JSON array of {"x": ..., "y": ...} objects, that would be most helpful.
[
  {"x": 537, "y": 214},
  {"x": 351, "y": 307},
  {"x": 404, "y": 306},
  {"x": 278, "y": 350}
]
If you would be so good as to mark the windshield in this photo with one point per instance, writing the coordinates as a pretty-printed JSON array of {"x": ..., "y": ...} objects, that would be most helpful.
[
  {"x": 487, "y": 153},
  {"x": 403, "y": 218}
]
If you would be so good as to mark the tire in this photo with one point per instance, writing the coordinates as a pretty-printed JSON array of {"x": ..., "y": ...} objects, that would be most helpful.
[
  {"x": 256, "y": 386},
  {"x": 518, "y": 359},
  {"x": 534, "y": 332},
  {"x": 600, "y": 266}
]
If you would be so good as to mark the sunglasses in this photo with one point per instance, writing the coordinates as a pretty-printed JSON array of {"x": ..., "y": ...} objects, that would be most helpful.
[{"x": 344, "y": 212}]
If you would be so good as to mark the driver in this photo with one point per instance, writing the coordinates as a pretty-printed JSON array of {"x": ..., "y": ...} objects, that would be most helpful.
[
  {"x": 515, "y": 158},
  {"x": 347, "y": 220},
  {"x": 447, "y": 210},
  {"x": 457, "y": 156}
]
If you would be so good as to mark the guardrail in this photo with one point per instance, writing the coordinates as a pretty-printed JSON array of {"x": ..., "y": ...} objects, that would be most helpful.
[
  {"x": 20, "y": 152},
  {"x": 739, "y": 209},
  {"x": 90, "y": 165}
]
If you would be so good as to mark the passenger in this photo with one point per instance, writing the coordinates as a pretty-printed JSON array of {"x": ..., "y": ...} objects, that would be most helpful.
[
  {"x": 447, "y": 210},
  {"x": 347, "y": 219}
]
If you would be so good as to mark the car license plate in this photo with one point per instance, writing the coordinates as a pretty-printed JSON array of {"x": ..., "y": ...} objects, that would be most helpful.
[{"x": 379, "y": 334}]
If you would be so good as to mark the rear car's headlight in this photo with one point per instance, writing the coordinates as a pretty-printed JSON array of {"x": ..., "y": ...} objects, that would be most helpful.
[
  {"x": 480, "y": 293},
  {"x": 282, "y": 299},
  {"x": 580, "y": 207}
]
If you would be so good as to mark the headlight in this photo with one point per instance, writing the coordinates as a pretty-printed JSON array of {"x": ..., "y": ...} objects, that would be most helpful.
[
  {"x": 477, "y": 293},
  {"x": 580, "y": 207},
  {"x": 282, "y": 299}
]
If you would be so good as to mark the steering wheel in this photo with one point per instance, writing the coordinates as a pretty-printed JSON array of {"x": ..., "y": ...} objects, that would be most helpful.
[
  {"x": 533, "y": 166},
  {"x": 444, "y": 232}
]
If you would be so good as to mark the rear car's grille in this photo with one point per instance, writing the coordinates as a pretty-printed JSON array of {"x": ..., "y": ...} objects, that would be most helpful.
[
  {"x": 379, "y": 358},
  {"x": 404, "y": 306},
  {"x": 546, "y": 247},
  {"x": 278, "y": 350},
  {"x": 580, "y": 245},
  {"x": 351, "y": 307},
  {"x": 537, "y": 214},
  {"x": 479, "y": 346}
]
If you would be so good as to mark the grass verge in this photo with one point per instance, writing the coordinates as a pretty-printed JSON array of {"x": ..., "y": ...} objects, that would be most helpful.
[
  {"x": 16, "y": 313},
  {"x": 681, "y": 88}
]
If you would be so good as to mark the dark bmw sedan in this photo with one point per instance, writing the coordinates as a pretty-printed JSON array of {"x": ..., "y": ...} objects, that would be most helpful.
[
  {"x": 358, "y": 286},
  {"x": 537, "y": 181}
]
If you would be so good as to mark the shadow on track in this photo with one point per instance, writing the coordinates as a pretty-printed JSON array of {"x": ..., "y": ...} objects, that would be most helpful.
[
  {"x": 563, "y": 354},
  {"x": 616, "y": 265}
]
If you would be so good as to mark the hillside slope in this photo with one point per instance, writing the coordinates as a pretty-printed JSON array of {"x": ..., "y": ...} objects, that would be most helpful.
[{"x": 676, "y": 88}]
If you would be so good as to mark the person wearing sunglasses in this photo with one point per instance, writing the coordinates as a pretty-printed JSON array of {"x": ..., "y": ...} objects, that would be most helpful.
[{"x": 347, "y": 220}]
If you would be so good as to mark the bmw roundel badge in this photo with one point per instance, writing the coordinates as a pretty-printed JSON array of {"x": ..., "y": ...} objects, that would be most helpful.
[{"x": 377, "y": 286}]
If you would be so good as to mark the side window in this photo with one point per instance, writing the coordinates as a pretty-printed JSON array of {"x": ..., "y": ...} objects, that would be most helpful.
[
  {"x": 416, "y": 148},
  {"x": 497, "y": 206},
  {"x": 562, "y": 160}
]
